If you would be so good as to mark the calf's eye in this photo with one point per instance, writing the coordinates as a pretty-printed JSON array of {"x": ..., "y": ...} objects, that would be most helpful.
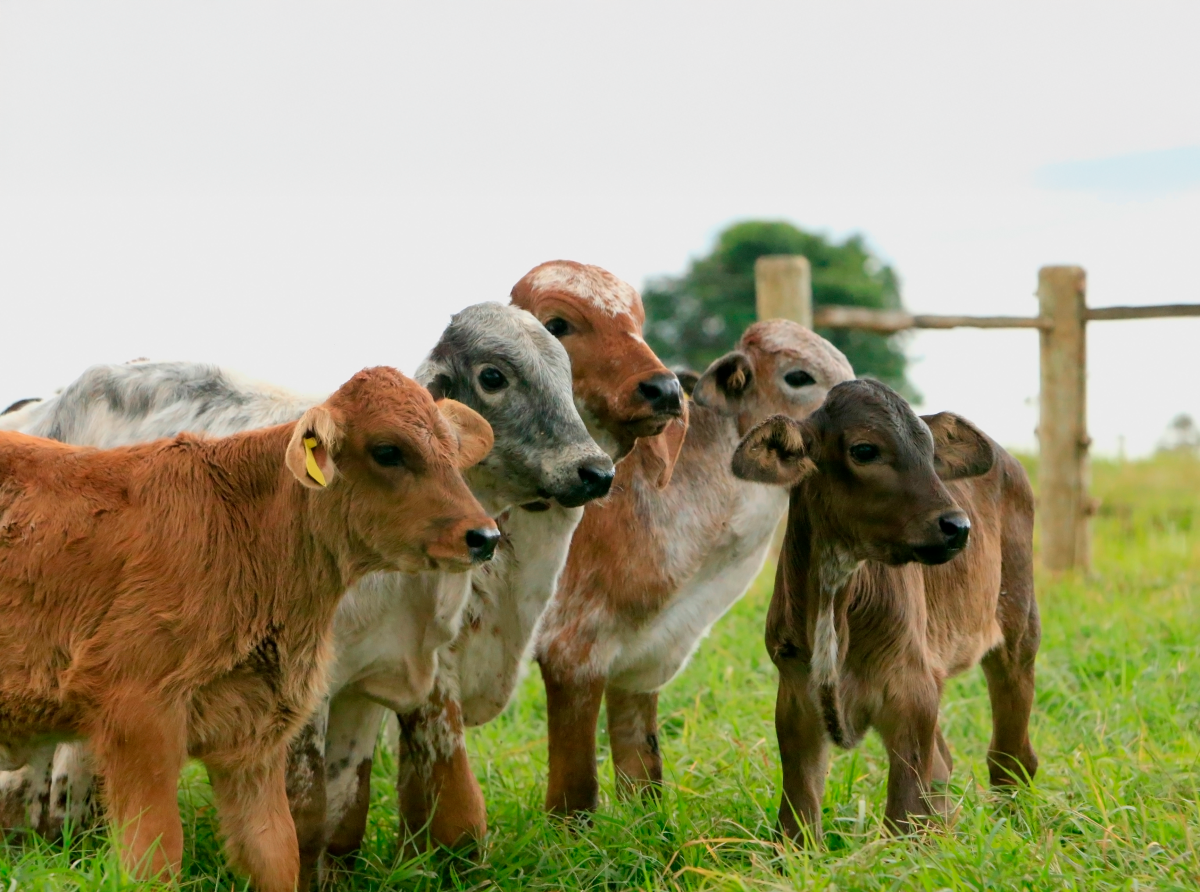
[
  {"x": 492, "y": 379},
  {"x": 799, "y": 378},
  {"x": 387, "y": 456},
  {"x": 864, "y": 453},
  {"x": 557, "y": 326}
]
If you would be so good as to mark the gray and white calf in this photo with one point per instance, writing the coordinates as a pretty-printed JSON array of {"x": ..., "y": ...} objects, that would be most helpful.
[{"x": 498, "y": 360}]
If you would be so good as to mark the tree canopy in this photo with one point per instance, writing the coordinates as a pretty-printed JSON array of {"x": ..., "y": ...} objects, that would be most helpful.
[{"x": 694, "y": 318}]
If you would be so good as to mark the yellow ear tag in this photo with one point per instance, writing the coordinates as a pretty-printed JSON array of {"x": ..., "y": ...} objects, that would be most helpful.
[{"x": 310, "y": 461}]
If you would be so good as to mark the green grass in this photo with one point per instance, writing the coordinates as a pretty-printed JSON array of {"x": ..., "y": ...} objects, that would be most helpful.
[{"x": 1116, "y": 803}]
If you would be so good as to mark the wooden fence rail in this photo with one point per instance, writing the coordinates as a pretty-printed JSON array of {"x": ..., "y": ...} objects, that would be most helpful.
[{"x": 784, "y": 290}]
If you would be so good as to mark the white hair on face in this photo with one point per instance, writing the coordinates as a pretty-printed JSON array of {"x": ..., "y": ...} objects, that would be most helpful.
[{"x": 596, "y": 286}]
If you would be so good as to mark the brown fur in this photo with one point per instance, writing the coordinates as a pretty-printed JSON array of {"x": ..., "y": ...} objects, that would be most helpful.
[
  {"x": 175, "y": 598},
  {"x": 865, "y": 542},
  {"x": 664, "y": 538}
]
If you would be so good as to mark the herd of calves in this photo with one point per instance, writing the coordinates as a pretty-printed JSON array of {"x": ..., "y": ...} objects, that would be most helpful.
[{"x": 197, "y": 565}]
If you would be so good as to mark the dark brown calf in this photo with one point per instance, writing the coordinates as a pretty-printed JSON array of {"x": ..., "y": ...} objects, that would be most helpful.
[
  {"x": 176, "y": 598},
  {"x": 879, "y": 598}
]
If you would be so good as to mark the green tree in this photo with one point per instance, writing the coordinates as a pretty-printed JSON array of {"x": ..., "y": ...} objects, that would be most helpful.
[{"x": 694, "y": 318}]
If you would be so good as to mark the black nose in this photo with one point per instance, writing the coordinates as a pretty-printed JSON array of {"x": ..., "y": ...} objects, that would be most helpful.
[
  {"x": 663, "y": 393},
  {"x": 595, "y": 477},
  {"x": 596, "y": 480},
  {"x": 482, "y": 543},
  {"x": 956, "y": 527}
]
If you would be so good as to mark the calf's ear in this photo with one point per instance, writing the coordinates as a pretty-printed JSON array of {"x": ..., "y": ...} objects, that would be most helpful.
[
  {"x": 724, "y": 383},
  {"x": 960, "y": 449},
  {"x": 663, "y": 450},
  {"x": 474, "y": 433},
  {"x": 309, "y": 454},
  {"x": 774, "y": 452}
]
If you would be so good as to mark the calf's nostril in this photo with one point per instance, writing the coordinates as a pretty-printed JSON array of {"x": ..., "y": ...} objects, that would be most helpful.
[
  {"x": 482, "y": 543},
  {"x": 650, "y": 390},
  {"x": 956, "y": 528},
  {"x": 596, "y": 480},
  {"x": 662, "y": 392}
]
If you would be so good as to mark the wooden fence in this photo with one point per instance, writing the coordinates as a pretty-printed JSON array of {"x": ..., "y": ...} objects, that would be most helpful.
[{"x": 784, "y": 290}]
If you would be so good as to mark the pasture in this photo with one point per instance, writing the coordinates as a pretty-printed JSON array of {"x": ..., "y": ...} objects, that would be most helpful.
[{"x": 1116, "y": 803}]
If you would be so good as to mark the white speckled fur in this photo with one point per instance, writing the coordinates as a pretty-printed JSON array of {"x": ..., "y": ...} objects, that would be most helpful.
[
  {"x": 590, "y": 283},
  {"x": 710, "y": 530},
  {"x": 650, "y": 657},
  {"x": 506, "y": 604}
]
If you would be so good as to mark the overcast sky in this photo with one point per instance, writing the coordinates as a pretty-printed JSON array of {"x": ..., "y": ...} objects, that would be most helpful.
[{"x": 300, "y": 190}]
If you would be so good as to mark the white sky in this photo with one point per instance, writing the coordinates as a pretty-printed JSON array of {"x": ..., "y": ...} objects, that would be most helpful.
[{"x": 300, "y": 190}]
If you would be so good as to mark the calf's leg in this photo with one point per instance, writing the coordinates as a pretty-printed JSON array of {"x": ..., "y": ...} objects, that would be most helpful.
[
  {"x": 305, "y": 781},
  {"x": 26, "y": 794},
  {"x": 73, "y": 793},
  {"x": 572, "y": 711},
  {"x": 907, "y": 722},
  {"x": 140, "y": 761},
  {"x": 354, "y": 723},
  {"x": 1009, "y": 667},
  {"x": 940, "y": 802},
  {"x": 804, "y": 752},
  {"x": 252, "y": 807},
  {"x": 1009, "y": 673},
  {"x": 633, "y": 736},
  {"x": 436, "y": 787}
]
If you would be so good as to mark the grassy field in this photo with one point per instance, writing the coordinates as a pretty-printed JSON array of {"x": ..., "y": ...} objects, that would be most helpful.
[{"x": 1116, "y": 804}]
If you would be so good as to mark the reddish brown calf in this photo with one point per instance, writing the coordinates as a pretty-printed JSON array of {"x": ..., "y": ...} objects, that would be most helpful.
[
  {"x": 176, "y": 598},
  {"x": 651, "y": 568},
  {"x": 879, "y": 598},
  {"x": 622, "y": 389}
]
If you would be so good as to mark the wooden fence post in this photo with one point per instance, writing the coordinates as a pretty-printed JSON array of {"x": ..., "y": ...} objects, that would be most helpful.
[
  {"x": 783, "y": 288},
  {"x": 1063, "y": 502}
]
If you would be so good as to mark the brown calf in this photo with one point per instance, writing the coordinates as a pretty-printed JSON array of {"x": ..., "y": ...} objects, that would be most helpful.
[
  {"x": 176, "y": 598},
  {"x": 625, "y": 395},
  {"x": 878, "y": 599},
  {"x": 652, "y": 568}
]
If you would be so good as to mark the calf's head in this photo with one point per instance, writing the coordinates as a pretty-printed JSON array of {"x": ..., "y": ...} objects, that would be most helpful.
[
  {"x": 385, "y": 463},
  {"x": 871, "y": 472},
  {"x": 622, "y": 390},
  {"x": 501, "y": 362},
  {"x": 777, "y": 368}
]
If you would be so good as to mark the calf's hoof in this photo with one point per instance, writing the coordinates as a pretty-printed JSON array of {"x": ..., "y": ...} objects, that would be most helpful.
[
  {"x": 808, "y": 836},
  {"x": 1005, "y": 770},
  {"x": 468, "y": 846}
]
